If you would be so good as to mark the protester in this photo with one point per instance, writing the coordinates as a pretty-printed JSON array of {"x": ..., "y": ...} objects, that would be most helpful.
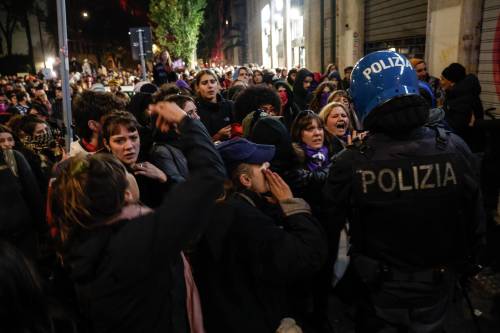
[
  {"x": 143, "y": 283},
  {"x": 89, "y": 109},
  {"x": 321, "y": 94},
  {"x": 255, "y": 250},
  {"x": 463, "y": 105},
  {"x": 142, "y": 197},
  {"x": 215, "y": 112},
  {"x": 120, "y": 132},
  {"x": 337, "y": 123},
  {"x": 301, "y": 89}
]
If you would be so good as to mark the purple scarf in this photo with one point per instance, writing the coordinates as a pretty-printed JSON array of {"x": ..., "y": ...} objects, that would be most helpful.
[
  {"x": 315, "y": 158},
  {"x": 324, "y": 99}
]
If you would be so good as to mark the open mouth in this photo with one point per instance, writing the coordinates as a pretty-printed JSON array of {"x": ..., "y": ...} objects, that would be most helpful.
[
  {"x": 341, "y": 126},
  {"x": 130, "y": 156}
]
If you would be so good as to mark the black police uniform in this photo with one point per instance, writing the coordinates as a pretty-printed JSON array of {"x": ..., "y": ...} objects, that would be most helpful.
[{"x": 414, "y": 206}]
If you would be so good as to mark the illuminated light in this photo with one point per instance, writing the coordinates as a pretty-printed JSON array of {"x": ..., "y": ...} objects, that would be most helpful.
[
  {"x": 279, "y": 5},
  {"x": 294, "y": 14},
  {"x": 156, "y": 49},
  {"x": 85, "y": 14},
  {"x": 227, "y": 22},
  {"x": 393, "y": 49},
  {"x": 50, "y": 62},
  {"x": 265, "y": 13}
]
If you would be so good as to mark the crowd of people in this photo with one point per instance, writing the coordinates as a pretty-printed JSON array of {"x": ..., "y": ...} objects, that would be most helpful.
[{"x": 243, "y": 199}]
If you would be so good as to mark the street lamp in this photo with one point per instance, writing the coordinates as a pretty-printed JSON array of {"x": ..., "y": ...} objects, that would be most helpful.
[{"x": 85, "y": 14}]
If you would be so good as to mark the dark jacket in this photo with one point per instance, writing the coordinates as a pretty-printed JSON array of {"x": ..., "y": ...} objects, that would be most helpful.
[
  {"x": 246, "y": 262},
  {"x": 302, "y": 97},
  {"x": 215, "y": 115},
  {"x": 21, "y": 205},
  {"x": 401, "y": 193},
  {"x": 170, "y": 159},
  {"x": 305, "y": 183},
  {"x": 461, "y": 102},
  {"x": 126, "y": 273}
]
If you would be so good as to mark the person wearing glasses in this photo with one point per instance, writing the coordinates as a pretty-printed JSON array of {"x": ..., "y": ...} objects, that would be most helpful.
[
  {"x": 215, "y": 112},
  {"x": 302, "y": 88}
]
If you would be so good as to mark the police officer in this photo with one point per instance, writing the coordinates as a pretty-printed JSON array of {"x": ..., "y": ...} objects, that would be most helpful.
[{"x": 412, "y": 198}]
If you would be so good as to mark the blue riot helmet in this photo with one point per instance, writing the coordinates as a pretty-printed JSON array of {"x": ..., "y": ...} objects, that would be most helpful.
[
  {"x": 380, "y": 77},
  {"x": 426, "y": 92}
]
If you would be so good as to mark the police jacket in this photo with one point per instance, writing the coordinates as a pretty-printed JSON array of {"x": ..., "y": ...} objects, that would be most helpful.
[
  {"x": 413, "y": 201},
  {"x": 126, "y": 273},
  {"x": 215, "y": 115},
  {"x": 248, "y": 258}
]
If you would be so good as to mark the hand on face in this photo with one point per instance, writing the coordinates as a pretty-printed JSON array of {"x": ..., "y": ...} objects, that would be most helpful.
[{"x": 278, "y": 187}]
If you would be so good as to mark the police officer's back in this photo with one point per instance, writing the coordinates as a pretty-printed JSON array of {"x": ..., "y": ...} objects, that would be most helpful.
[{"x": 411, "y": 196}]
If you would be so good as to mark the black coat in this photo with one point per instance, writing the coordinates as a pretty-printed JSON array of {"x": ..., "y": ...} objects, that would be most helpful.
[
  {"x": 21, "y": 206},
  {"x": 246, "y": 263},
  {"x": 169, "y": 158},
  {"x": 462, "y": 101},
  {"x": 126, "y": 273},
  {"x": 302, "y": 97},
  {"x": 215, "y": 115}
]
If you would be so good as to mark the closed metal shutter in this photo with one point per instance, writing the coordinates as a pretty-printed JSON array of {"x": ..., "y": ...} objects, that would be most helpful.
[
  {"x": 489, "y": 56},
  {"x": 396, "y": 24}
]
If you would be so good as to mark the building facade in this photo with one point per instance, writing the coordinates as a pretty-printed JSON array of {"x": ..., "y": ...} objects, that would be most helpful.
[{"x": 290, "y": 33}]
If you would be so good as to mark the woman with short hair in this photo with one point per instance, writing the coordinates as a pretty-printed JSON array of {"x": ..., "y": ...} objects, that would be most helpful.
[{"x": 215, "y": 112}]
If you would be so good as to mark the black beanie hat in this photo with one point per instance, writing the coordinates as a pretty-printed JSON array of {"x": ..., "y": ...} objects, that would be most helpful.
[
  {"x": 271, "y": 131},
  {"x": 454, "y": 72}
]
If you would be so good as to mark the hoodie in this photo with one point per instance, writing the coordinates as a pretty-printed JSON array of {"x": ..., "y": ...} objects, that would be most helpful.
[
  {"x": 302, "y": 97},
  {"x": 290, "y": 109}
]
